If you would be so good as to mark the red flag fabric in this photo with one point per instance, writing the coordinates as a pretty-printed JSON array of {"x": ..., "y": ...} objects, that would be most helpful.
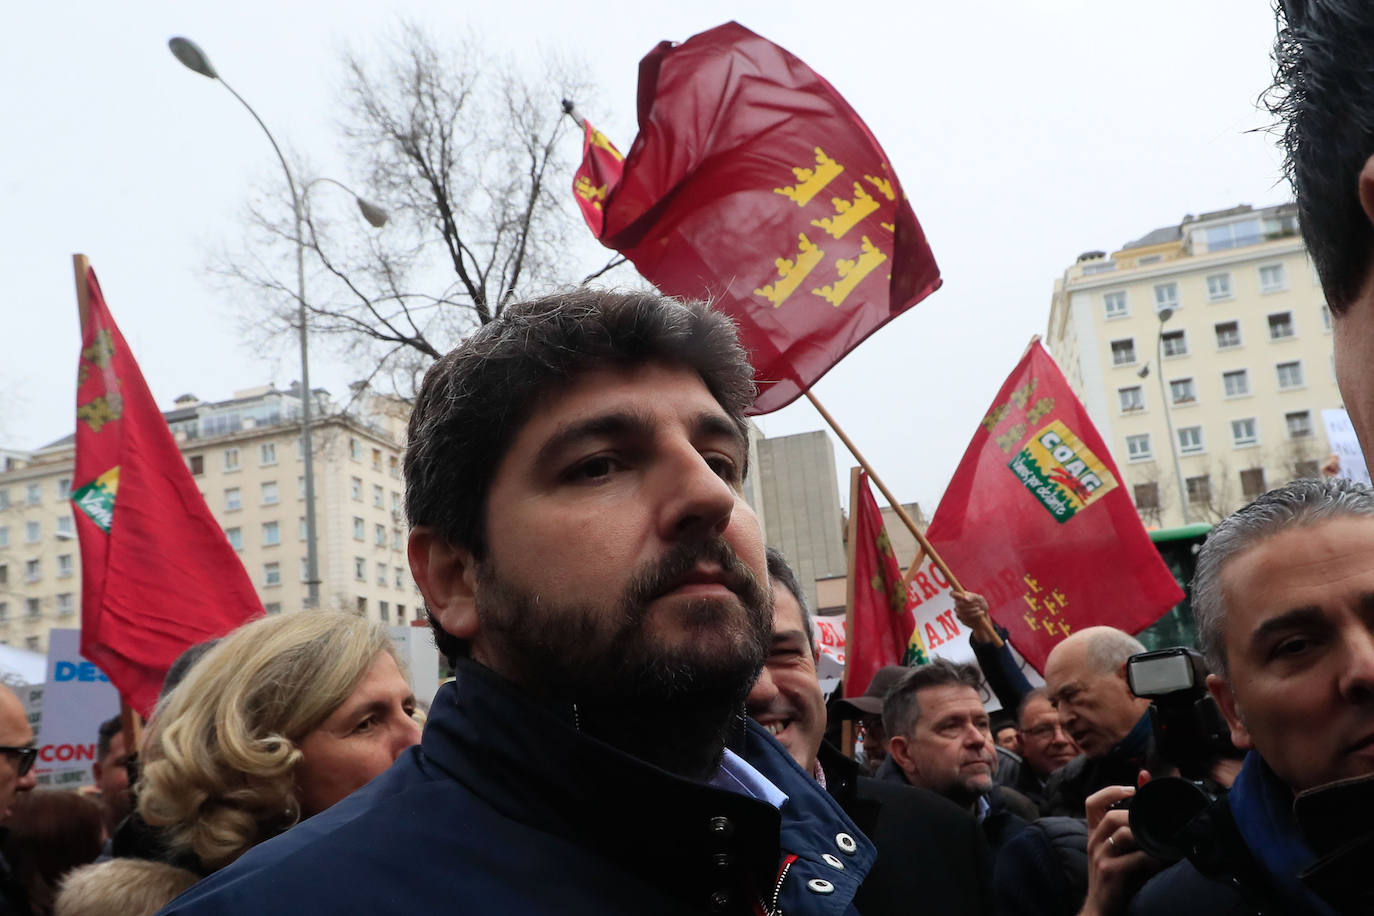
[
  {"x": 754, "y": 184},
  {"x": 600, "y": 171},
  {"x": 158, "y": 574},
  {"x": 1036, "y": 518},
  {"x": 882, "y": 630}
]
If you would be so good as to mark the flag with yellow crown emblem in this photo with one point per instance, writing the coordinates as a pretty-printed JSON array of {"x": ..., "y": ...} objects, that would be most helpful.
[
  {"x": 882, "y": 629},
  {"x": 753, "y": 183}
]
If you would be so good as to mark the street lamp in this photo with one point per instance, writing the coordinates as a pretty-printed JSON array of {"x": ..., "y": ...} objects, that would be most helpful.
[
  {"x": 1164, "y": 315},
  {"x": 190, "y": 54}
]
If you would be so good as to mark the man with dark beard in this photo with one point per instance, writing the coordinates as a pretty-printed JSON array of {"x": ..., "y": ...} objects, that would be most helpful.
[{"x": 590, "y": 566}]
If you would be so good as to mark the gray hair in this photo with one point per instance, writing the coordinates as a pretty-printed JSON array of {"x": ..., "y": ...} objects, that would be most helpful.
[
  {"x": 780, "y": 573},
  {"x": 1300, "y": 503},
  {"x": 1108, "y": 649},
  {"x": 902, "y": 710}
]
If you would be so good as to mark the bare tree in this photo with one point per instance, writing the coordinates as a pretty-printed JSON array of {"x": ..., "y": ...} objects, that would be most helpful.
[{"x": 471, "y": 158}]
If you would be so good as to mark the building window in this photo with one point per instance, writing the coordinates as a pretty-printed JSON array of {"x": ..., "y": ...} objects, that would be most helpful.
[
  {"x": 33, "y": 570},
  {"x": 66, "y": 604},
  {"x": 1306, "y": 469},
  {"x": 356, "y": 489},
  {"x": 1218, "y": 287},
  {"x": 1326, "y": 317},
  {"x": 1233, "y": 235},
  {"x": 395, "y": 501},
  {"x": 1281, "y": 325},
  {"x": 361, "y": 605},
  {"x": 271, "y": 574},
  {"x": 233, "y": 499},
  {"x": 197, "y": 464},
  {"x": 1132, "y": 398},
  {"x": 4, "y": 574},
  {"x": 64, "y": 489},
  {"x": 1299, "y": 424},
  {"x": 376, "y": 459},
  {"x": 65, "y": 566},
  {"x": 271, "y": 534},
  {"x": 267, "y": 454},
  {"x": 33, "y": 494},
  {"x": 355, "y": 449},
  {"x": 4, "y": 535},
  {"x": 235, "y": 536},
  {"x": 1272, "y": 279},
  {"x": 1236, "y": 383},
  {"x": 1175, "y": 343},
  {"x": 1190, "y": 440},
  {"x": 300, "y": 488},
  {"x": 381, "y": 574},
  {"x": 4, "y": 613},
  {"x": 1243, "y": 432},
  {"x": 231, "y": 459},
  {"x": 1115, "y": 304},
  {"x": 1199, "y": 489},
  {"x": 305, "y": 531},
  {"x": 360, "y": 569},
  {"x": 1252, "y": 483},
  {"x": 272, "y": 608},
  {"x": 1290, "y": 375},
  {"x": 32, "y": 643},
  {"x": 305, "y": 569},
  {"x": 1146, "y": 495},
  {"x": 33, "y": 532},
  {"x": 394, "y": 466},
  {"x": 397, "y": 539},
  {"x": 384, "y": 609},
  {"x": 359, "y": 529},
  {"x": 1123, "y": 352},
  {"x": 33, "y": 607},
  {"x": 1166, "y": 296},
  {"x": 1182, "y": 391},
  {"x": 270, "y": 496},
  {"x": 66, "y": 528},
  {"x": 378, "y": 497},
  {"x": 380, "y": 535},
  {"x": 400, "y": 573},
  {"x": 4, "y": 499},
  {"x": 1138, "y": 447}
]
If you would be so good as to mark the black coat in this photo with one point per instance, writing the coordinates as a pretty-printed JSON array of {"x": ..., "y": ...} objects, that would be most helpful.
[
  {"x": 1069, "y": 787},
  {"x": 931, "y": 853},
  {"x": 1043, "y": 870}
]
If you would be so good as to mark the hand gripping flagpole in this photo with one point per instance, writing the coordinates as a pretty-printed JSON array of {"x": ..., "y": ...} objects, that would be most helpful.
[{"x": 985, "y": 631}]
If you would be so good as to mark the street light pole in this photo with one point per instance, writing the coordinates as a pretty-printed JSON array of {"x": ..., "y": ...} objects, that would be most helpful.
[
  {"x": 1164, "y": 315},
  {"x": 195, "y": 59}
]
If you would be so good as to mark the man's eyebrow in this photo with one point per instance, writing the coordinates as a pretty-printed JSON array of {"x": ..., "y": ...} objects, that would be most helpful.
[
  {"x": 609, "y": 425},
  {"x": 1305, "y": 616},
  {"x": 786, "y": 636}
]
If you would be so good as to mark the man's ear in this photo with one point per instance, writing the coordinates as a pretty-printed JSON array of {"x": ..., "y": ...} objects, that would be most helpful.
[
  {"x": 447, "y": 576},
  {"x": 1366, "y": 185},
  {"x": 1226, "y": 699},
  {"x": 898, "y": 750}
]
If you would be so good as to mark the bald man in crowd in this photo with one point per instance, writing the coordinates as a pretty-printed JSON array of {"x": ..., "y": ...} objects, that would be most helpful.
[
  {"x": 1085, "y": 678},
  {"x": 17, "y": 756}
]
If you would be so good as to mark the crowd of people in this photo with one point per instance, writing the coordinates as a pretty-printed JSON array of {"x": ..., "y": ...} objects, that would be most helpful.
[{"x": 635, "y": 723}]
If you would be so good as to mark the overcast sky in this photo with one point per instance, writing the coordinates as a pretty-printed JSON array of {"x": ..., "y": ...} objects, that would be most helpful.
[{"x": 1024, "y": 134}]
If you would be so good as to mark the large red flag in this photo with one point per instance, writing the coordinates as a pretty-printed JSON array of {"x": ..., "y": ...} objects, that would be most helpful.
[
  {"x": 158, "y": 574},
  {"x": 601, "y": 168},
  {"x": 754, "y": 184},
  {"x": 881, "y": 630},
  {"x": 1036, "y": 518}
]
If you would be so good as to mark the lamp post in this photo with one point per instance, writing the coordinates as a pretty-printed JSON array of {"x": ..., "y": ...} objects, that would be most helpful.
[
  {"x": 190, "y": 54},
  {"x": 1164, "y": 315}
]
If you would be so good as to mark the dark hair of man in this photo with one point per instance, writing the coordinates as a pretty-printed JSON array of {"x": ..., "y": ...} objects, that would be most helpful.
[
  {"x": 108, "y": 729},
  {"x": 474, "y": 400},
  {"x": 781, "y": 573},
  {"x": 1038, "y": 693},
  {"x": 1323, "y": 96},
  {"x": 902, "y": 709}
]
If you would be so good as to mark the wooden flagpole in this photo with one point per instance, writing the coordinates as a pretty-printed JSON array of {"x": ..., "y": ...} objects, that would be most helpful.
[
  {"x": 851, "y": 546},
  {"x": 986, "y": 634},
  {"x": 131, "y": 723}
]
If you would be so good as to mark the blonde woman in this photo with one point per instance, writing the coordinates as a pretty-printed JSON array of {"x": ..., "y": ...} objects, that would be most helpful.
[{"x": 283, "y": 718}]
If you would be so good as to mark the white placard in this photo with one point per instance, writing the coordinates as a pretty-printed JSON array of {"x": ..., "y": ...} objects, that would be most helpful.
[
  {"x": 1345, "y": 444},
  {"x": 76, "y": 699}
]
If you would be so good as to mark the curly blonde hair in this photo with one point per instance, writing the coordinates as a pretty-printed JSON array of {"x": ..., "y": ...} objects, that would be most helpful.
[{"x": 221, "y": 753}]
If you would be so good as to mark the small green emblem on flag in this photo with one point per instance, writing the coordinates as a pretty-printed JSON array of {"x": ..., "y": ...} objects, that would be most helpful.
[{"x": 97, "y": 498}]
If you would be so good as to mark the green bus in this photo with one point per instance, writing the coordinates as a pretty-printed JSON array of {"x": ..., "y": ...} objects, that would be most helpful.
[{"x": 1179, "y": 548}]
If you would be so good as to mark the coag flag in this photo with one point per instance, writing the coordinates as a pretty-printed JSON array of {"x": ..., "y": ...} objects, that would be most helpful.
[
  {"x": 158, "y": 574},
  {"x": 881, "y": 629},
  {"x": 1037, "y": 519},
  {"x": 754, "y": 184}
]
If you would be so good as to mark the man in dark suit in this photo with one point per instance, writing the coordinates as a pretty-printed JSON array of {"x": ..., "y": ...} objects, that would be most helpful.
[{"x": 931, "y": 854}]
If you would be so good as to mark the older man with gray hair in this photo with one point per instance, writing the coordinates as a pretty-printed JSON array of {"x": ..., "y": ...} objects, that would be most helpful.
[
  {"x": 1284, "y": 599},
  {"x": 1085, "y": 676}
]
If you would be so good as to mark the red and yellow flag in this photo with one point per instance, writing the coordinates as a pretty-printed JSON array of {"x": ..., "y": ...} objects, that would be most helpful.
[
  {"x": 158, "y": 574},
  {"x": 600, "y": 171},
  {"x": 881, "y": 629},
  {"x": 1036, "y": 519},
  {"x": 752, "y": 183}
]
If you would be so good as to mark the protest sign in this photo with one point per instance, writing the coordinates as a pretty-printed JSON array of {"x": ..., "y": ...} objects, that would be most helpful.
[
  {"x": 76, "y": 699},
  {"x": 1344, "y": 444}
]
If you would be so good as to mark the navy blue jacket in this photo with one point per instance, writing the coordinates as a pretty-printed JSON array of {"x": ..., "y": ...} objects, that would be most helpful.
[{"x": 505, "y": 807}]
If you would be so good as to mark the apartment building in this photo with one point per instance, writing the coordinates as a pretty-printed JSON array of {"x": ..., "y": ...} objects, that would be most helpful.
[
  {"x": 1208, "y": 344},
  {"x": 245, "y": 453}
]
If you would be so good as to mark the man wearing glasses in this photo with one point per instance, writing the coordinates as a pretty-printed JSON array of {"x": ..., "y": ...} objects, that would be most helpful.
[{"x": 17, "y": 754}]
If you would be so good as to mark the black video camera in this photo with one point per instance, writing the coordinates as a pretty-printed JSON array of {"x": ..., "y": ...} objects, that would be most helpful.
[{"x": 1172, "y": 817}]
